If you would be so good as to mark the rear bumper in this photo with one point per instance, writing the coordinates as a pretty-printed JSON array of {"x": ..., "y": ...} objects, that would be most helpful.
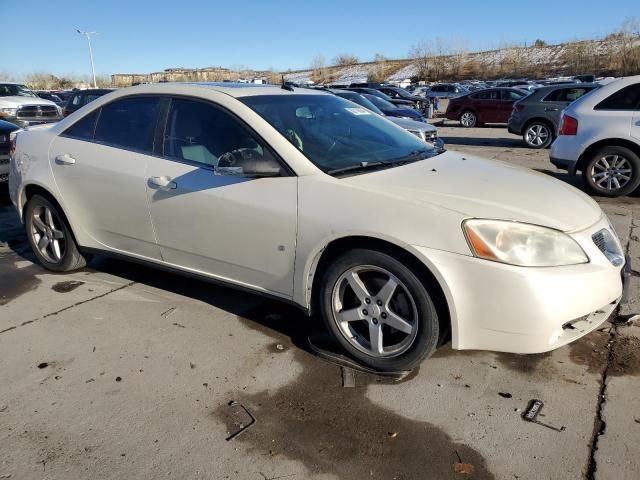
[{"x": 563, "y": 164}]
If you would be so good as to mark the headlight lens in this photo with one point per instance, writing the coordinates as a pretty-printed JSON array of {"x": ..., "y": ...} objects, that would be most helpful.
[
  {"x": 522, "y": 244},
  {"x": 8, "y": 112}
]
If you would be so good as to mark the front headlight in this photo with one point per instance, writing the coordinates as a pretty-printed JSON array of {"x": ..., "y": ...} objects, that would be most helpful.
[
  {"x": 522, "y": 244},
  {"x": 8, "y": 112}
]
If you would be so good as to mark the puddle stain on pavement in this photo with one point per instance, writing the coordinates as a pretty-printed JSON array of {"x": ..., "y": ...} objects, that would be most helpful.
[
  {"x": 339, "y": 431},
  {"x": 590, "y": 351},
  {"x": 625, "y": 358}
]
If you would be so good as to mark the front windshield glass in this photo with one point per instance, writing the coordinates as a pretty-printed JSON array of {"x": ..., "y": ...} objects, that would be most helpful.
[
  {"x": 13, "y": 90},
  {"x": 380, "y": 103},
  {"x": 335, "y": 134},
  {"x": 360, "y": 100}
]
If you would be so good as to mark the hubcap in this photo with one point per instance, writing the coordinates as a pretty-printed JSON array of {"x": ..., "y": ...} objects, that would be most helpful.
[
  {"x": 537, "y": 135},
  {"x": 374, "y": 311},
  {"x": 611, "y": 172},
  {"x": 468, "y": 119},
  {"x": 48, "y": 238}
]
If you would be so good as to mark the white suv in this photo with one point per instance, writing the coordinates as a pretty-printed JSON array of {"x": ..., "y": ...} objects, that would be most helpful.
[{"x": 600, "y": 136}]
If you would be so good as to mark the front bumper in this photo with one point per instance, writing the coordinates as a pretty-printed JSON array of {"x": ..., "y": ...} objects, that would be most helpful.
[{"x": 505, "y": 308}]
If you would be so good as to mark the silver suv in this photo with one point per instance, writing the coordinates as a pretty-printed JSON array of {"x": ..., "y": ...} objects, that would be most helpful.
[{"x": 22, "y": 107}]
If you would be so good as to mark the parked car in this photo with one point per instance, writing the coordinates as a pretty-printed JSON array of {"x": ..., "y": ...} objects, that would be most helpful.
[
  {"x": 536, "y": 117},
  {"x": 599, "y": 136},
  {"x": 446, "y": 90},
  {"x": 79, "y": 98},
  {"x": 22, "y": 107},
  {"x": 492, "y": 105},
  {"x": 391, "y": 110},
  {"x": 5, "y": 129},
  {"x": 425, "y": 131},
  {"x": 396, "y": 93},
  {"x": 296, "y": 195},
  {"x": 398, "y": 102},
  {"x": 50, "y": 96}
]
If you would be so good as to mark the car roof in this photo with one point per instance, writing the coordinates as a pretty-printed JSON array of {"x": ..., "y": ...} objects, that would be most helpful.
[{"x": 232, "y": 89}]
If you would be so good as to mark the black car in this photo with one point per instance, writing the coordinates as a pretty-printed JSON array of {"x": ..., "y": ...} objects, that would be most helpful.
[
  {"x": 80, "y": 98},
  {"x": 398, "y": 102},
  {"x": 51, "y": 96},
  {"x": 391, "y": 110},
  {"x": 397, "y": 93},
  {"x": 5, "y": 129}
]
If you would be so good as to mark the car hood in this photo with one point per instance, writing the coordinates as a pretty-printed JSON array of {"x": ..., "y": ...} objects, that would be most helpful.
[
  {"x": 16, "y": 101},
  {"x": 480, "y": 188},
  {"x": 408, "y": 124}
]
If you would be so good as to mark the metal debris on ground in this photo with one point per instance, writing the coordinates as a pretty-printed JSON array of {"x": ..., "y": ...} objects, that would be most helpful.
[
  {"x": 348, "y": 377},
  {"x": 505, "y": 394},
  {"x": 168, "y": 312},
  {"x": 243, "y": 427},
  {"x": 531, "y": 414}
]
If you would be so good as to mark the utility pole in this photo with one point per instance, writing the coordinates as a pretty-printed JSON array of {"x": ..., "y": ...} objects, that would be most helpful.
[{"x": 93, "y": 68}]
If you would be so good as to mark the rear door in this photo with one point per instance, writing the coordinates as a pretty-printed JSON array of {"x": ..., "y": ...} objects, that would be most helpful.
[
  {"x": 489, "y": 106},
  {"x": 209, "y": 216},
  {"x": 99, "y": 165},
  {"x": 507, "y": 98}
]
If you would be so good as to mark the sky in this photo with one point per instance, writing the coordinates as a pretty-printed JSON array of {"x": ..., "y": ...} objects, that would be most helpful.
[{"x": 142, "y": 36}]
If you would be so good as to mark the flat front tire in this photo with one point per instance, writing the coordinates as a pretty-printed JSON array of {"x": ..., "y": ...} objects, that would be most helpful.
[
  {"x": 378, "y": 310},
  {"x": 50, "y": 236}
]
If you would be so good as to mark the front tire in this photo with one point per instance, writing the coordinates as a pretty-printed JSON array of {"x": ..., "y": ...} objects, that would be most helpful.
[
  {"x": 468, "y": 119},
  {"x": 379, "y": 311},
  {"x": 50, "y": 236},
  {"x": 537, "y": 135},
  {"x": 612, "y": 171}
]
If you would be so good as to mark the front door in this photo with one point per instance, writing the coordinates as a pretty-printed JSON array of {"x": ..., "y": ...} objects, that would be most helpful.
[
  {"x": 209, "y": 215},
  {"x": 99, "y": 166}
]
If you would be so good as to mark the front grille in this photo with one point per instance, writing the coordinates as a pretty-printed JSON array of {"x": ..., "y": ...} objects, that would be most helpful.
[
  {"x": 4, "y": 161},
  {"x": 37, "y": 111}
]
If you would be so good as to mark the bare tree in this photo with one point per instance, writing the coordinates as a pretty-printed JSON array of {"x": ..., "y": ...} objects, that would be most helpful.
[
  {"x": 378, "y": 71},
  {"x": 319, "y": 73},
  {"x": 629, "y": 46},
  {"x": 345, "y": 59},
  {"x": 423, "y": 57}
]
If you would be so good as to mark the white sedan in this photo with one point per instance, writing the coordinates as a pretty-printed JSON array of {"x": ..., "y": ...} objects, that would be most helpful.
[{"x": 309, "y": 198}]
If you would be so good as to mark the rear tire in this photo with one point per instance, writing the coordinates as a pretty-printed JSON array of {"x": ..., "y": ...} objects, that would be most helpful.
[
  {"x": 378, "y": 310},
  {"x": 612, "y": 171},
  {"x": 50, "y": 237},
  {"x": 537, "y": 135}
]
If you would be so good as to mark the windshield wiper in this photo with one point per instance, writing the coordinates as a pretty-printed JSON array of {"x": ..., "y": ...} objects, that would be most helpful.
[
  {"x": 359, "y": 167},
  {"x": 412, "y": 157}
]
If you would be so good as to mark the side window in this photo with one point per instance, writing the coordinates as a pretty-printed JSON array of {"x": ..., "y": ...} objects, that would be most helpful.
[
  {"x": 511, "y": 95},
  {"x": 479, "y": 96},
  {"x": 627, "y": 98},
  {"x": 493, "y": 95},
  {"x": 76, "y": 99},
  {"x": 202, "y": 133},
  {"x": 553, "y": 96},
  {"x": 83, "y": 129},
  {"x": 129, "y": 123}
]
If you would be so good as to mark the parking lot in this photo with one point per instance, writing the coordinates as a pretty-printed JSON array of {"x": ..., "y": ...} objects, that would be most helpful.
[{"x": 122, "y": 371}]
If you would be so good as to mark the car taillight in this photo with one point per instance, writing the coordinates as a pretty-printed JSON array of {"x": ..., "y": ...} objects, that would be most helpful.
[
  {"x": 66, "y": 113},
  {"x": 568, "y": 125}
]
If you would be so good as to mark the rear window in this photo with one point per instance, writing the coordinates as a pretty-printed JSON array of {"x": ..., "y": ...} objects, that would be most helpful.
[
  {"x": 128, "y": 123},
  {"x": 627, "y": 98}
]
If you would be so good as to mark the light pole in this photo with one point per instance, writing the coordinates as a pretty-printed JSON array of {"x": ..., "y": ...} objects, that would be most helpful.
[{"x": 93, "y": 68}]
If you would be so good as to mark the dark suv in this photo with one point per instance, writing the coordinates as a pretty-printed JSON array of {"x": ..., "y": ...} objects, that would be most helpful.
[
  {"x": 537, "y": 116},
  {"x": 79, "y": 98}
]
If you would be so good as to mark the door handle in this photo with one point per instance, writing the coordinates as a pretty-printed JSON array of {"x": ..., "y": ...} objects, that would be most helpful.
[
  {"x": 163, "y": 182},
  {"x": 65, "y": 159},
  {"x": 550, "y": 109}
]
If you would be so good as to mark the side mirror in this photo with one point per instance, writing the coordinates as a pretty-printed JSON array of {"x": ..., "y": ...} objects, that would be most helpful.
[{"x": 248, "y": 163}]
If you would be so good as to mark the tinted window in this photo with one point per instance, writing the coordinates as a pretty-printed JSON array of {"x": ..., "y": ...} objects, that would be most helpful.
[
  {"x": 83, "y": 128},
  {"x": 202, "y": 133},
  {"x": 627, "y": 98},
  {"x": 511, "y": 95},
  {"x": 480, "y": 95},
  {"x": 566, "y": 94},
  {"x": 128, "y": 123}
]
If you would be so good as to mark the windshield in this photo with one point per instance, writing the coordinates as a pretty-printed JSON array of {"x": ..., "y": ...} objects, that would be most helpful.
[
  {"x": 335, "y": 134},
  {"x": 360, "y": 100},
  {"x": 13, "y": 90},
  {"x": 379, "y": 102}
]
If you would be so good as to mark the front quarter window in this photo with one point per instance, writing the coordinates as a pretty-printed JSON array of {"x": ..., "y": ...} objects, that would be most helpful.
[{"x": 335, "y": 134}]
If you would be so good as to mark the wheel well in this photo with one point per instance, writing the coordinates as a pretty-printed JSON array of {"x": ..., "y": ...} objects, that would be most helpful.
[
  {"x": 546, "y": 121},
  {"x": 610, "y": 142},
  {"x": 342, "y": 245},
  {"x": 31, "y": 190}
]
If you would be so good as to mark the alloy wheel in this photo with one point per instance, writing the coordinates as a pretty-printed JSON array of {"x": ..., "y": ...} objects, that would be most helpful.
[
  {"x": 374, "y": 311},
  {"x": 468, "y": 119},
  {"x": 537, "y": 135},
  {"x": 47, "y": 233},
  {"x": 611, "y": 172}
]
